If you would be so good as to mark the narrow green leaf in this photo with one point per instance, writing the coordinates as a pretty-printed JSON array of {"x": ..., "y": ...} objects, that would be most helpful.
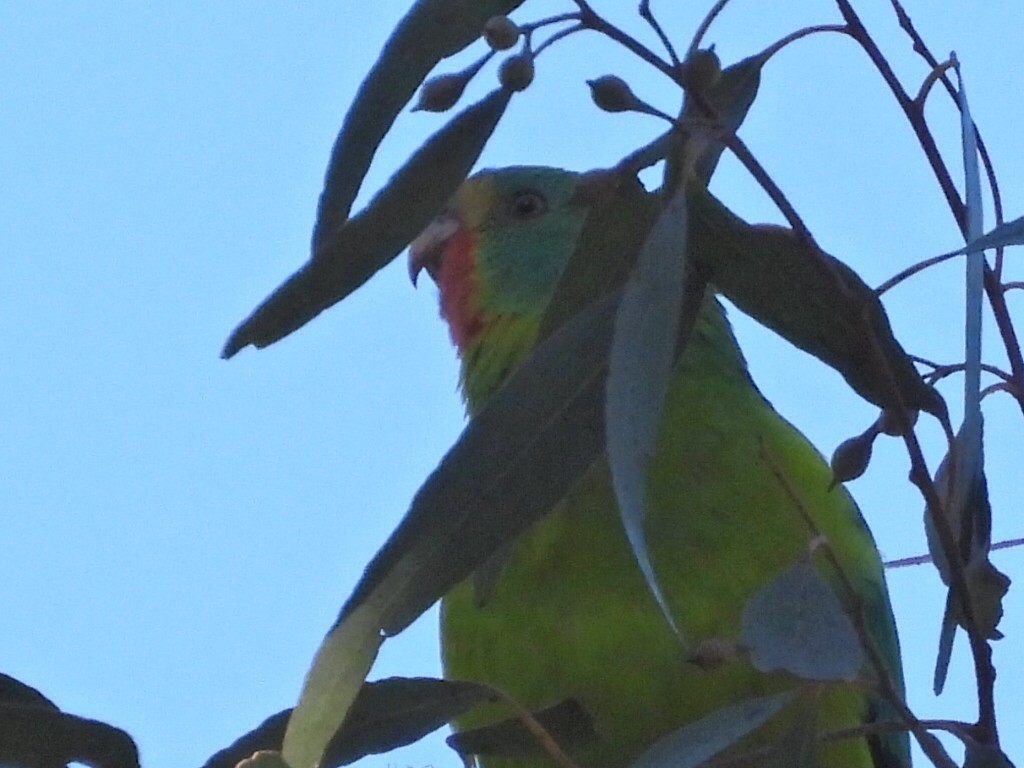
[
  {"x": 429, "y": 32},
  {"x": 385, "y": 715},
  {"x": 513, "y": 462},
  {"x": 13, "y": 691},
  {"x": 985, "y": 756},
  {"x": 335, "y": 677},
  {"x": 43, "y": 737},
  {"x": 1007, "y": 233},
  {"x": 809, "y": 298},
  {"x": 351, "y": 254},
  {"x": 621, "y": 215},
  {"x": 796, "y": 623},
  {"x": 944, "y": 648},
  {"x": 968, "y": 457},
  {"x": 969, "y": 515},
  {"x": 698, "y": 742},
  {"x": 639, "y": 370},
  {"x": 732, "y": 96},
  {"x": 567, "y": 722}
]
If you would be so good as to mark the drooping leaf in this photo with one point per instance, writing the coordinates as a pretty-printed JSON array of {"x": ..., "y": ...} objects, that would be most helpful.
[
  {"x": 385, "y": 715},
  {"x": 731, "y": 96},
  {"x": 1007, "y": 233},
  {"x": 514, "y": 461},
  {"x": 944, "y": 648},
  {"x": 640, "y": 367},
  {"x": 429, "y": 32},
  {"x": 621, "y": 215},
  {"x": 985, "y": 756},
  {"x": 341, "y": 664},
  {"x": 809, "y": 298},
  {"x": 44, "y": 737},
  {"x": 353, "y": 252},
  {"x": 968, "y": 513},
  {"x": 962, "y": 487},
  {"x": 567, "y": 723},
  {"x": 13, "y": 691},
  {"x": 796, "y": 623},
  {"x": 698, "y": 742},
  {"x": 968, "y": 454}
]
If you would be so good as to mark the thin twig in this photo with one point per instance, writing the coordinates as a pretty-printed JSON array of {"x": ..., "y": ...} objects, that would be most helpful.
[
  {"x": 904, "y": 562},
  {"x": 535, "y": 727},
  {"x": 913, "y": 269},
  {"x": 704, "y": 25},
  {"x": 557, "y": 19},
  {"x": 1000, "y": 386},
  {"x": 593, "y": 20},
  {"x": 559, "y": 35},
  {"x": 934, "y": 76},
  {"x": 942, "y": 371},
  {"x": 646, "y": 15},
  {"x": 792, "y": 37}
]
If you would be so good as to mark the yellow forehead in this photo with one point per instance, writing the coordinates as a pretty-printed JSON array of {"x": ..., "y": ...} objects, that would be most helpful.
[{"x": 474, "y": 200}]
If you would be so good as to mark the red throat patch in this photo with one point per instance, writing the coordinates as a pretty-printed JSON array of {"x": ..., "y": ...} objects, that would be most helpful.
[{"x": 457, "y": 283}]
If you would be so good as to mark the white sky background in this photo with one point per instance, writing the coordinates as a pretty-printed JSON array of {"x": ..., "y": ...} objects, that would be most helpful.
[{"x": 177, "y": 531}]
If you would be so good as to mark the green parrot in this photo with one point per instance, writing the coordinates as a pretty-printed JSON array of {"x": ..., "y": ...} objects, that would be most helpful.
[{"x": 569, "y": 614}]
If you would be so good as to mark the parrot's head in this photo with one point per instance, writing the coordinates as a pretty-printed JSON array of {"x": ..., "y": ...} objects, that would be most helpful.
[{"x": 496, "y": 253}]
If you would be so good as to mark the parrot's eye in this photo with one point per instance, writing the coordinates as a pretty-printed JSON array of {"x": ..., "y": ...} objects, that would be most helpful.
[{"x": 527, "y": 204}]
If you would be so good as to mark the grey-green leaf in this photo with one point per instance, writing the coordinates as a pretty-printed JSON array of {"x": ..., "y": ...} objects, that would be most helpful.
[
  {"x": 385, "y": 715},
  {"x": 796, "y": 623},
  {"x": 698, "y": 742},
  {"x": 732, "y": 96},
  {"x": 969, "y": 516},
  {"x": 639, "y": 370},
  {"x": 514, "y": 461},
  {"x": 567, "y": 722},
  {"x": 1007, "y": 233},
  {"x": 809, "y": 298},
  {"x": 429, "y": 32},
  {"x": 350, "y": 255},
  {"x": 621, "y": 215},
  {"x": 332, "y": 683}
]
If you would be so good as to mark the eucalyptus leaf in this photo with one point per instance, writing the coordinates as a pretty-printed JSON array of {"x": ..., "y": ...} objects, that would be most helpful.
[
  {"x": 567, "y": 723},
  {"x": 1007, "y": 233},
  {"x": 385, "y": 715},
  {"x": 809, "y": 298},
  {"x": 796, "y": 623},
  {"x": 351, "y": 254},
  {"x": 44, "y": 737},
  {"x": 339, "y": 668},
  {"x": 514, "y": 461},
  {"x": 13, "y": 691},
  {"x": 640, "y": 367},
  {"x": 731, "y": 96},
  {"x": 621, "y": 215},
  {"x": 698, "y": 742},
  {"x": 429, "y": 32},
  {"x": 965, "y": 502}
]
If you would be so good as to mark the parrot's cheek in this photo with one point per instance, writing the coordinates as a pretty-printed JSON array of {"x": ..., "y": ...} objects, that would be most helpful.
[{"x": 457, "y": 281}]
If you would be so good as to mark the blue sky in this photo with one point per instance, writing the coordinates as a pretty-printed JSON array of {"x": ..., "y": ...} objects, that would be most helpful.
[{"x": 178, "y": 532}]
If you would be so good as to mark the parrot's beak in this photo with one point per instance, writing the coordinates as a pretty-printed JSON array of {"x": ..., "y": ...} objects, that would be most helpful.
[{"x": 427, "y": 250}]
